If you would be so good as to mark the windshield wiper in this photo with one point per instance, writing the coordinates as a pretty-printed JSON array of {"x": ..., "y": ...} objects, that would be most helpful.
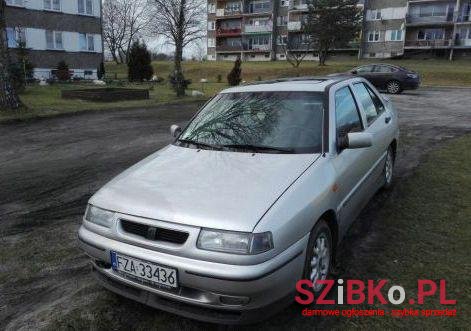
[
  {"x": 257, "y": 148},
  {"x": 199, "y": 144}
]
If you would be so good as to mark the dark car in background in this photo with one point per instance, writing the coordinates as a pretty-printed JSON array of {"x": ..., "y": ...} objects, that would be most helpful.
[{"x": 393, "y": 79}]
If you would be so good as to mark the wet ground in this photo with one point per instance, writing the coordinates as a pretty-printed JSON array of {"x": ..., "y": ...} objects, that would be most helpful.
[{"x": 50, "y": 167}]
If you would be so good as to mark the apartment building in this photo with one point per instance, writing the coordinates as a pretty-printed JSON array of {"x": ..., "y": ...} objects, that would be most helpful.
[
  {"x": 260, "y": 30},
  {"x": 420, "y": 27},
  {"x": 256, "y": 30},
  {"x": 57, "y": 30}
]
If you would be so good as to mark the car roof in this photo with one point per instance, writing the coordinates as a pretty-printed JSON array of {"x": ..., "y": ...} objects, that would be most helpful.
[
  {"x": 379, "y": 64},
  {"x": 303, "y": 84}
]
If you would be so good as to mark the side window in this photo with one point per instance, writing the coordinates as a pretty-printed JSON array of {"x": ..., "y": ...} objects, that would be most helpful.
[
  {"x": 376, "y": 100},
  {"x": 367, "y": 102},
  {"x": 365, "y": 69},
  {"x": 347, "y": 118},
  {"x": 383, "y": 69}
]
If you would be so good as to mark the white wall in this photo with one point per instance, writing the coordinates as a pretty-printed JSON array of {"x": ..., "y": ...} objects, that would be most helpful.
[
  {"x": 67, "y": 6},
  {"x": 36, "y": 40}
]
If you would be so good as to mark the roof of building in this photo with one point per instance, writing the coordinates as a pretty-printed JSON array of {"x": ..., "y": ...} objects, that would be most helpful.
[{"x": 308, "y": 84}]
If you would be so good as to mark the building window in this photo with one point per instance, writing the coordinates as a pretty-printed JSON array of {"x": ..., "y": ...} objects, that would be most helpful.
[
  {"x": 86, "y": 42},
  {"x": 54, "y": 40},
  {"x": 91, "y": 43},
  {"x": 232, "y": 7},
  {"x": 85, "y": 7},
  {"x": 429, "y": 10},
  {"x": 282, "y": 20},
  {"x": 15, "y": 36},
  {"x": 211, "y": 8},
  {"x": 211, "y": 42},
  {"x": 395, "y": 35},
  {"x": 19, "y": 3},
  {"x": 372, "y": 54},
  {"x": 52, "y": 5},
  {"x": 373, "y": 36},
  {"x": 211, "y": 25},
  {"x": 284, "y": 3},
  {"x": 430, "y": 34},
  {"x": 282, "y": 40},
  {"x": 375, "y": 15}
]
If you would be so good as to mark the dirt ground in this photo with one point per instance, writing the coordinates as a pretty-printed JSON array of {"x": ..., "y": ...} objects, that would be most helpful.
[{"x": 50, "y": 167}]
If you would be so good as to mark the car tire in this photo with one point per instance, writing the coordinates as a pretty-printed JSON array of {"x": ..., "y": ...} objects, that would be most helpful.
[
  {"x": 319, "y": 255},
  {"x": 388, "y": 170},
  {"x": 393, "y": 87}
]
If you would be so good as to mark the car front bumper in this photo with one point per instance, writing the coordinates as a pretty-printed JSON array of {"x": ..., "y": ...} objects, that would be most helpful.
[
  {"x": 411, "y": 84},
  {"x": 208, "y": 291}
]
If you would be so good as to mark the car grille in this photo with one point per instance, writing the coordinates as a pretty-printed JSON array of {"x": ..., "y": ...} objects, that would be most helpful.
[{"x": 154, "y": 233}]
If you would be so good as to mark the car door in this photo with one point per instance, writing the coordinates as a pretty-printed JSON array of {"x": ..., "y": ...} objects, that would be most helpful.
[
  {"x": 351, "y": 165},
  {"x": 381, "y": 75},
  {"x": 378, "y": 120}
]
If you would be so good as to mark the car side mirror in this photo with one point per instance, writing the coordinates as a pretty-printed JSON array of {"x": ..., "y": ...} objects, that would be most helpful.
[
  {"x": 354, "y": 140},
  {"x": 175, "y": 130},
  {"x": 354, "y": 71}
]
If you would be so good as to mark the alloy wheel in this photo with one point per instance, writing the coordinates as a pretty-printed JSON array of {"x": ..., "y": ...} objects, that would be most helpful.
[
  {"x": 393, "y": 87},
  {"x": 320, "y": 261}
]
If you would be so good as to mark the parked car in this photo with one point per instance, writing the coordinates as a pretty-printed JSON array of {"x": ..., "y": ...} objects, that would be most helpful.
[
  {"x": 254, "y": 194},
  {"x": 391, "y": 78}
]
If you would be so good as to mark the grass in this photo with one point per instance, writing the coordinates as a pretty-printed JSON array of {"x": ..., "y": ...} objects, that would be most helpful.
[
  {"x": 46, "y": 100},
  {"x": 424, "y": 233}
]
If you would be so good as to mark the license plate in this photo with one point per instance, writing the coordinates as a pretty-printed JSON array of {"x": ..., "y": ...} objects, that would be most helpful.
[{"x": 143, "y": 270}]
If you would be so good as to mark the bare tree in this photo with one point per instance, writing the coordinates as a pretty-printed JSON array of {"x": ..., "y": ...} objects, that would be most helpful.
[
  {"x": 8, "y": 96},
  {"x": 295, "y": 50},
  {"x": 114, "y": 27},
  {"x": 124, "y": 21},
  {"x": 181, "y": 22}
]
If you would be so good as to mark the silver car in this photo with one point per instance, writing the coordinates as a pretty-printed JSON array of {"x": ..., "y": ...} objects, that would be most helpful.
[{"x": 253, "y": 195}]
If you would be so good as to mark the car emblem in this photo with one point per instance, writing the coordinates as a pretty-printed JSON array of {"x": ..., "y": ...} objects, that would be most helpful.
[{"x": 151, "y": 232}]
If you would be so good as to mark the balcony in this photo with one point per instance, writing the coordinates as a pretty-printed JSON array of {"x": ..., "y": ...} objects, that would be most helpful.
[
  {"x": 224, "y": 13},
  {"x": 463, "y": 42},
  {"x": 427, "y": 20},
  {"x": 259, "y": 48},
  {"x": 229, "y": 48},
  {"x": 438, "y": 43},
  {"x": 258, "y": 28},
  {"x": 228, "y": 32},
  {"x": 294, "y": 26}
]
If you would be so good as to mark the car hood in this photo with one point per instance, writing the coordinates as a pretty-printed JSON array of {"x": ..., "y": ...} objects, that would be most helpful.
[{"x": 204, "y": 188}]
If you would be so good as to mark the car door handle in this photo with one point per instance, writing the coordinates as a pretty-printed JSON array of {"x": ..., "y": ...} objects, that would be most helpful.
[{"x": 387, "y": 119}]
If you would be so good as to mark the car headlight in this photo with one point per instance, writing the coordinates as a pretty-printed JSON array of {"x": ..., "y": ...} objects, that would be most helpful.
[
  {"x": 99, "y": 216},
  {"x": 412, "y": 76},
  {"x": 235, "y": 242}
]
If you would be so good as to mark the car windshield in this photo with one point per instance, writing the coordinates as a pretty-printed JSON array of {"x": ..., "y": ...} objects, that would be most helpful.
[{"x": 267, "y": 122}]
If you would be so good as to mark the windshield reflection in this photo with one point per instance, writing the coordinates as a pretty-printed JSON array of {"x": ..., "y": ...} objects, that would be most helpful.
[{"x": 269, "y": 122}]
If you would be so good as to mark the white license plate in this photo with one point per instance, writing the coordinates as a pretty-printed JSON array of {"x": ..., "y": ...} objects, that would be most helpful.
[{"x": 144, "y": 270}]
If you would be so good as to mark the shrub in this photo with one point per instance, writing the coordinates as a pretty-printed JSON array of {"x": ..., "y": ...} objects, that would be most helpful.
[
  {"x": 234, "y": 78},
  {"x": 63, "y": 72},
  {"x": 139, "y": 63},
  {"x": 219, "y": 78}
]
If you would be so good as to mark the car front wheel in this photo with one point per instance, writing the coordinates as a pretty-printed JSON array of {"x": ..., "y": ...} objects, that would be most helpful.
[
  {"x": 393, "y": 87},
  {"x": 319, "y": 255}
]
